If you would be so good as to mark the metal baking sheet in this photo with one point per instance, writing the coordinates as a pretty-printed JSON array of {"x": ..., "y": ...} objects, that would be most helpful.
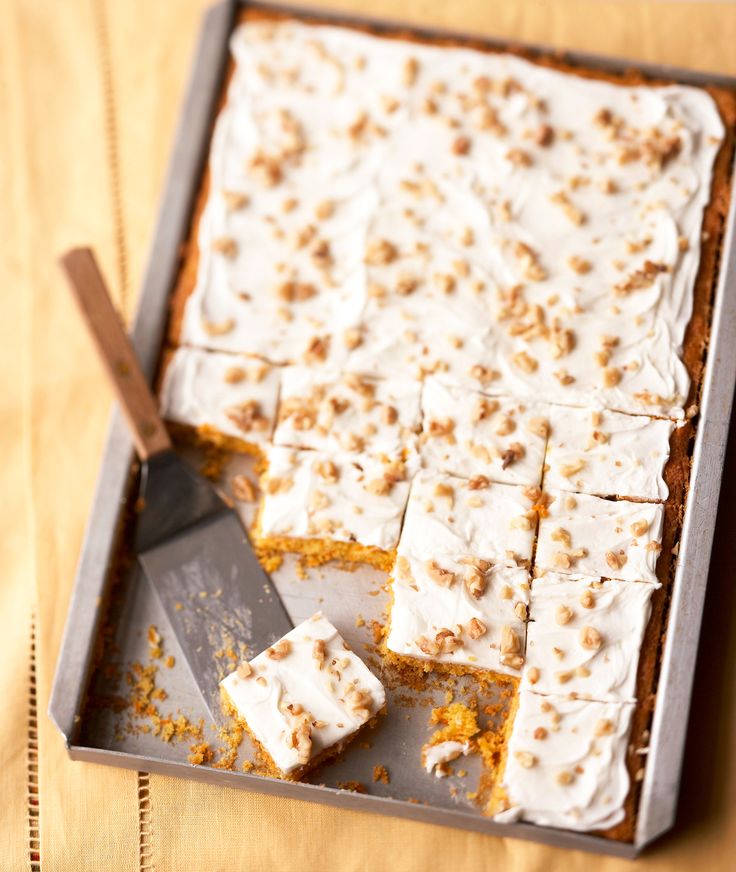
[{"x": 123, "y": 611}]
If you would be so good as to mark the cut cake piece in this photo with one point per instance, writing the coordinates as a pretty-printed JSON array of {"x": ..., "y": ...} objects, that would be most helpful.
[
  {"x": 304, "y": 698},
  {"x": 566, "y": 763},
  {"x": 347, "y": 412},
  {"x": 607, "y": 453},
  {"x": 584, "y": 636},
  {"x": 461, "y": 614},
  {"x": 579, "y": 533},
  {"x": 467, "y": 433},
  {"x": 222, "y": 399},
  {"x": 333, "y": 506}
]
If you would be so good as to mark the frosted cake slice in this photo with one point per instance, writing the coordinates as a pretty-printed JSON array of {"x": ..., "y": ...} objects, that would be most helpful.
[
  {"x": 225, "y": 399},
  {"x": 460, "y": 613},
  {"x": 584, "y": 636},
  {"x": 333, "y": 506},
  {"x": 455, "y": 517},
  {"x": 584, "y": 534},
  {"x": 566, "y": 763},
  {"x": 304, "y": 698},
  {"x": 347, "y": 412},
  {"x": 607, "y": 453},
  {"x": 467, "y": 433}
]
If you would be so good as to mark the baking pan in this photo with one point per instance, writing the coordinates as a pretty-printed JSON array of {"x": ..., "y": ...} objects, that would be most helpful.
[{"x": 110, "y": 613}]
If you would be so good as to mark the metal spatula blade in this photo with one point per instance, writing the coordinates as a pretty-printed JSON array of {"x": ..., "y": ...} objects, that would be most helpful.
[
  {"x": 196, "y": 554},
  {"x": 192, "y": 546}
]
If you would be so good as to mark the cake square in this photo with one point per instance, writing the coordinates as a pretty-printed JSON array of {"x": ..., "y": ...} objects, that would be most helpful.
[
  {"x": 448, "y": 516},
  {"x": 339, "y": 506},
  {"x": 304, "y": 698},
  {"x": 467, "y": 433},
  {"x": 607, "y": 453},
  {"x": 347, "y": 412},
  {"x": 460, "y": 613},
  {"x": 222, "y": 398},
  {"x": 584, "y": 636},
  {"x": 566, "y": 762},
  {"x": 579, "y": 533}
]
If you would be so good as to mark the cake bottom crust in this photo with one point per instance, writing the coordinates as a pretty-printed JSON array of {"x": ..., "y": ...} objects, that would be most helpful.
[
  {"x": 319, "y": 551},
  {"x": 269, "y": 768}
]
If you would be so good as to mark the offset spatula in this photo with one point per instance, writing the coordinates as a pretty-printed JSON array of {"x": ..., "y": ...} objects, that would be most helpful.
[{"x": 192, "y": 546}]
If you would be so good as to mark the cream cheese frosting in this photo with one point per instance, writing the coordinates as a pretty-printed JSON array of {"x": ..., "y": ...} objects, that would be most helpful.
[
  {"x": 547, "y": 211},
  {"x": 467, "y": 433},
  {"x": 606, "y": 453},
  {"x": 454, "y": 517},
  {"x": 231, "y": 394},
  {"x": 584, "y": 636},
  {"x": 459, "y": 611},
  {"x": 436, "y": 757},
  {"x": 344, "y": 497},
  {"x": 579, "y": 533},
  {"x": 566, "y": 764},
  {"x": 347, "y": 412},
  {"x": 305, "y": 694}
]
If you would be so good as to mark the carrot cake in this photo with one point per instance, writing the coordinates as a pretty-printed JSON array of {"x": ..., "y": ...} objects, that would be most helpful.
[
  {"x": 345, "y": 412},
  {"x": 607, "y": 453},
  {"x": 304, "y": 698},
  {"x": 220, "y": 398},
  {"x": 585, "y": 636},
  {"x": 472, "y": 278},
  {"x": 339, "y": 506},
  {"x": 468, "y": 433}
]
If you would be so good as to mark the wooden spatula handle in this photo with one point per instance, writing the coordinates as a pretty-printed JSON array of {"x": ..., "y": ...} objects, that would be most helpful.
[{"x": 135, "y": 397}]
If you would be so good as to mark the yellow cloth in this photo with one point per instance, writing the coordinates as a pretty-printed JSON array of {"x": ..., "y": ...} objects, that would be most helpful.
[{"x": 89, "y": 93}]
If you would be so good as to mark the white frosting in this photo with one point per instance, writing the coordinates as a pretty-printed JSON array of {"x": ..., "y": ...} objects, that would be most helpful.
[
  {"x": 222, "y": 391},
  {"x": 423, "y": 607},
  {"x": 434, "y": 756},
  {"x": 564, "y": 656},
  {"x": 488, "y": 151},
  {"x": 467, "y": 434},
  {"x": 607, "y": 453},
  {"x": 321, "y": 688},
  {"x": 347, "y": 412},
  {"x": 312, "y": 494},
  {"x": 574, "y": 775},
  {"x": 603, "y": 537},
  {"x": 446, "y": 517}
]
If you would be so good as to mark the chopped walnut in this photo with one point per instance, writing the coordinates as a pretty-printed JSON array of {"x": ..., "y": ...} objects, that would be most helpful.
[
  {"x": 317, "y": 349},
  {"x": 244, "y": 670},
  {"x": 319, "y": 652},
  {"x": 568, "y": 207},
  {"x": 280, "y": 650},
  {"x": 234, "y": 375},
  {"x": 525, "y": 362},
  {"x": 380, "y": 252},
  {"x": 476, "y": 628},
  {"x": 615, "y": 561},
  {"x": 590, "y": 638},
  {"x": 604, "y": 727},
  {"x": 439, "y": 575},
  {"x": 293, "y": 292},
  {"x": 475, "y": 581},
  {"x": 225, "y": 245},
  {"x": 247, "y": 416},
  {"x": 579, "y": 265},
  {"x": 352, "y": 338},
  {"x": 461, "y": 145},
  {"x": 639, "y": 528},
  {"x": 526, "y": 759},
  {"x": 544, "y": 135}
]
